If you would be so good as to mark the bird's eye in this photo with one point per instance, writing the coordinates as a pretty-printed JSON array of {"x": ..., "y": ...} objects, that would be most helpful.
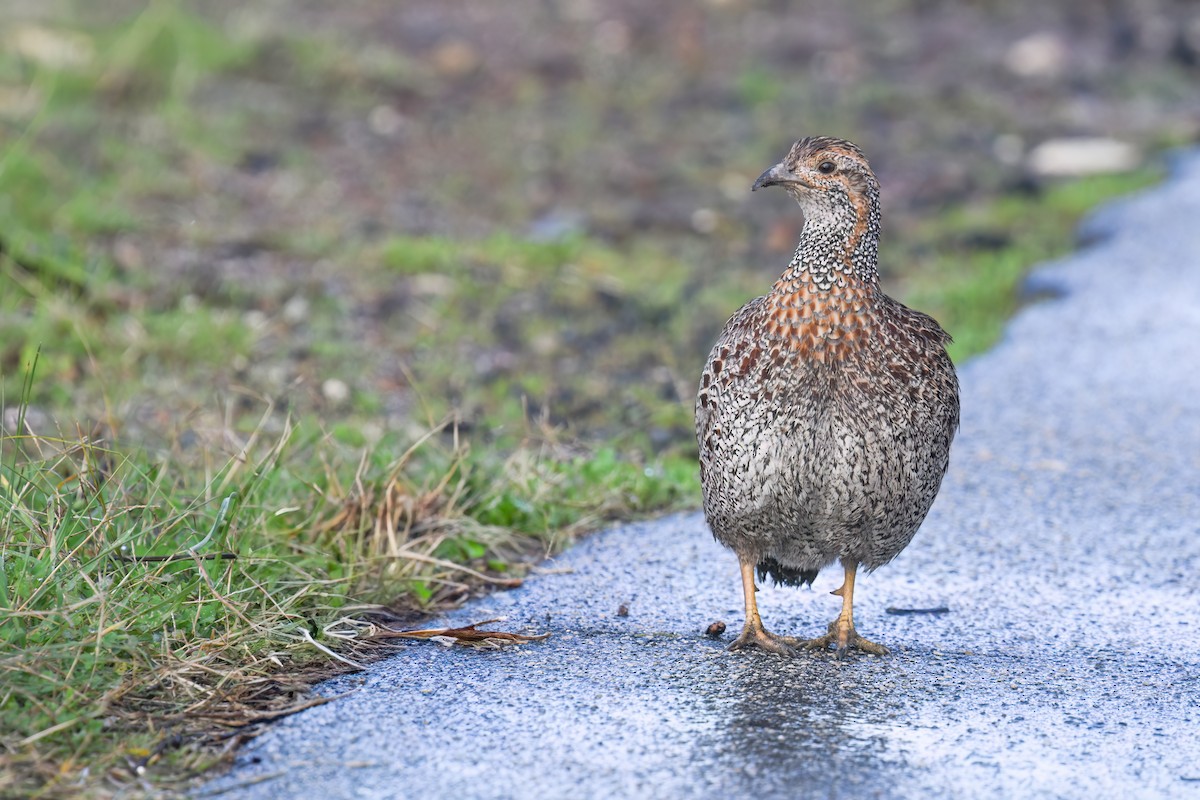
[{"x": 826, "y": 167}]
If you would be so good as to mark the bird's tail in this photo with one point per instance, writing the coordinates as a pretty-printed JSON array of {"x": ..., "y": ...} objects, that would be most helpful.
[{"x": 785, "y": 576}]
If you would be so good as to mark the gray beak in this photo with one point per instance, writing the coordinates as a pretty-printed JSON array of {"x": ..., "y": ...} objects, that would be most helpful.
[{"x": 776, "y": 174}]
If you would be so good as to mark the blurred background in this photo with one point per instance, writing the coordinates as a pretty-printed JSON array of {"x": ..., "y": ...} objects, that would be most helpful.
[
  {"x": 316, "y": 316},
  {"x": 381, "y": 213}
]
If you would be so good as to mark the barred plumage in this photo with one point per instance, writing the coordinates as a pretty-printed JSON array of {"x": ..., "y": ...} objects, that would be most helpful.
[{"x": 826, "y": 410}]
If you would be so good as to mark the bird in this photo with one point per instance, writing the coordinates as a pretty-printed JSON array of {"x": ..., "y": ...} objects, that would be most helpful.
[{"x": 826, "y": 409}]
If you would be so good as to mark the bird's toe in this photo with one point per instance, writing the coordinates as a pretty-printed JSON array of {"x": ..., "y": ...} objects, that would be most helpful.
[
  {"x": 843, "y": 640},
  {"x": 762, "y": 640},
  {"x": 867, "y": 646}
]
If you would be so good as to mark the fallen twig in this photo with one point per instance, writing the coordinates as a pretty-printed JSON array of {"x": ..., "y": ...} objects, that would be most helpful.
[
  {"x": 467, "y": 635},
  {"x": 903, "y": 611}
]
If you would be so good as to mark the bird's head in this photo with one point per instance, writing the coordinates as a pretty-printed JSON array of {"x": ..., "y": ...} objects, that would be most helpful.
[
  {"x": 821, "y": 170},
  {"x": 839, "y": 195}
]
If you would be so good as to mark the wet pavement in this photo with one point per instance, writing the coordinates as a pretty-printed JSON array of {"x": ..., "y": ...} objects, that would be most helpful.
[{"x": 1065, "y": 544}]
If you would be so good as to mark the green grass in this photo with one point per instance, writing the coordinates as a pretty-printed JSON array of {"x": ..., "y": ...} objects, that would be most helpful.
[
  {"x": 108, "y": 653},
  {"x": 973, "y": 290},
  {"x": 572, "y": 323}
]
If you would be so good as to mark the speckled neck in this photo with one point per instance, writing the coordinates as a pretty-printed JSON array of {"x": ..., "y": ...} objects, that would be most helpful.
[{"x": 839, "y": 245}]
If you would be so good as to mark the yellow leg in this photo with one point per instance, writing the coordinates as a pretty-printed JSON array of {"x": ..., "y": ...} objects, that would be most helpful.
[
  {"x": 841, "y": 632},
  {"x": 753, "y": 633}
]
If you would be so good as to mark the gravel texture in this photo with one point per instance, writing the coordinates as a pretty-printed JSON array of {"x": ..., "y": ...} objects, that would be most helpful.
[{"x": 1065, "y": 544}]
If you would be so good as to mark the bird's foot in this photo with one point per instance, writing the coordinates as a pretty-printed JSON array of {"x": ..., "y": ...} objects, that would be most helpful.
[
  {"x": 757, "y": 636},
  {"x": 844, "y": 638}
]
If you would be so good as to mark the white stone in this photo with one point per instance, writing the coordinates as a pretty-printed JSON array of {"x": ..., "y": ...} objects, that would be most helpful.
[
  {"x": 295, "y": 310},
  {"x": 1039, "y": 55},
  {"x": 335, "y": 391},
  {"x": 52, "y": 48},
  {"x": 705, "y": 220},
  {"x": 385, "y": 121},
  {"x": 255, "y": 320},
  {"x": 1082, "y": 156}
]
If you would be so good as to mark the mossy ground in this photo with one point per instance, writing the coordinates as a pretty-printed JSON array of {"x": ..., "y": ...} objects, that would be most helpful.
[{"x": 317, "y": 316}]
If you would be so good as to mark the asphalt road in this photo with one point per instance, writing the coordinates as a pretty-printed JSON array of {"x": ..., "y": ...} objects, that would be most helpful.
[{"x": 1065, "y": 544}]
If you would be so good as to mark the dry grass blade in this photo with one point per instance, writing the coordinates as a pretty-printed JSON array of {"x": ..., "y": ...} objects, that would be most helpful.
[
  {"x": 468, "y": 635},
  {"x": 241, "y": 719},
  {"x": 504, "y": 583}
]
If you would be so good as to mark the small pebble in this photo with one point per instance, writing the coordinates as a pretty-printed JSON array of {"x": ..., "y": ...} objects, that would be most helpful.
[
  {"x": 385, "y": 121},
  {"x": 295, "y": 310},
  {"x": 622, "y": 610},
  {"x": 335, "y": 391},
  {"x": 715, "y": 629},
  {"x": 1040, "y": 55},
  {"x": 705, "y": 220}
]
